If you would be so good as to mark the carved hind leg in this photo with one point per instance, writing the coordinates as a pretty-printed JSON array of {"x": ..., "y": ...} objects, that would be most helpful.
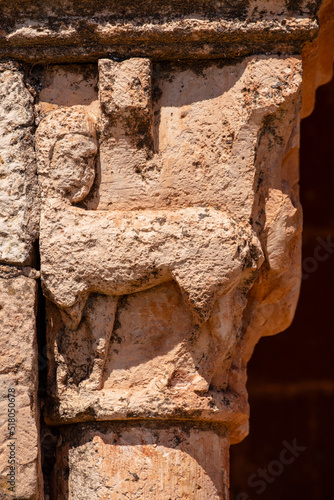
[{"x": 72, "y": 315}]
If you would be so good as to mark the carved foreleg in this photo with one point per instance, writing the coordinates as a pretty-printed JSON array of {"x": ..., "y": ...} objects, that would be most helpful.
[
  {"x": 220, "y": 266},
  {"x": 99, "y": 315},
  {"x": 82, "y": 350}
]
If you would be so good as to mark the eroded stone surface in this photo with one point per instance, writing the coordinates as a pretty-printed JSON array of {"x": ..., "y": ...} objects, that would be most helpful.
[
  {"x": 18, "y": 181},
  {"x": 67, "y": 148},
  {"x": 152, "y": 362},
  {"x": 18, "y": 375},
  {"x": 121, "y": 253}
]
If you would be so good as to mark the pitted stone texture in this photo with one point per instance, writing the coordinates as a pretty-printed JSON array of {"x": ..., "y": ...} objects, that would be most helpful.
[
  {"x": 18, "y": 181},
  {"x": 64, "y": 85},
  {"x": 18, "y": 370},
  {"x": 125, "y": 93},
  {"x": 142, "y": 462},
  {"x": 126, "y": 118},
  {"x": 274, "y": 295}
]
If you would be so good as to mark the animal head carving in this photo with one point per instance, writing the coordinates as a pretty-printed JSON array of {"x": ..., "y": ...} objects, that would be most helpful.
[{"x": 66, "y": 151}]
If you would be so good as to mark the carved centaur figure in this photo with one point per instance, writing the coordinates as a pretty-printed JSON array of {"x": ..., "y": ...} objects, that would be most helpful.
[{"x": 120, "y": 252}]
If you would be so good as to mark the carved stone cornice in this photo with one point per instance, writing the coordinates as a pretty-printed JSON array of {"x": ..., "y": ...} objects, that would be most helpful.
[{"x": 85, "y": 31}]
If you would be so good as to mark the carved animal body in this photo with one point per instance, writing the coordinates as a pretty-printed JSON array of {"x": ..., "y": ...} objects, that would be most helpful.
[{"x": 116, "y": 253}]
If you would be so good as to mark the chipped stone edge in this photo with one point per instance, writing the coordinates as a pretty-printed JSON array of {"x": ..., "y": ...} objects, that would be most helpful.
[{"x": 9, "y": 272}]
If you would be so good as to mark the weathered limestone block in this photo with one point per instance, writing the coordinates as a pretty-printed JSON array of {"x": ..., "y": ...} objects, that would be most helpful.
[
  {"x": 66, "y": 165},
  {"x": 64, "y": 85},
  {"x": 170, "y": 237},
  {"x": 18, "y": 387},
  {"x": 155, "y": 363},
  {"x": 18, "y": 180},
  {"x": 152, "y": 461}
]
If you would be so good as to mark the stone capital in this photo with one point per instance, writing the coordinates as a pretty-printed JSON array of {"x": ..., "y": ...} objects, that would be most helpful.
[{"x": 149, "y": 163}]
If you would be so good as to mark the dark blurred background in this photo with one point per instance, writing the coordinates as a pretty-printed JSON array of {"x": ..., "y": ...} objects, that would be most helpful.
[{"x": 291, "y": 375}]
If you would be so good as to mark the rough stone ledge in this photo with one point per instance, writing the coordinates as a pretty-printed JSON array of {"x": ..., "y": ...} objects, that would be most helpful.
[
  {"x": 83, "y": 30},
  {"x": 225, "y": 409},
  {"x": 191, "y": 39},
  {"x": 117, "y": 425}
]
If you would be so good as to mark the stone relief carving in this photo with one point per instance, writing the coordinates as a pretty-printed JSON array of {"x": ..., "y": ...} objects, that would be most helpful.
[
  {"x": 167, "y": 225},
  {"x": 169, "y": 232}
]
